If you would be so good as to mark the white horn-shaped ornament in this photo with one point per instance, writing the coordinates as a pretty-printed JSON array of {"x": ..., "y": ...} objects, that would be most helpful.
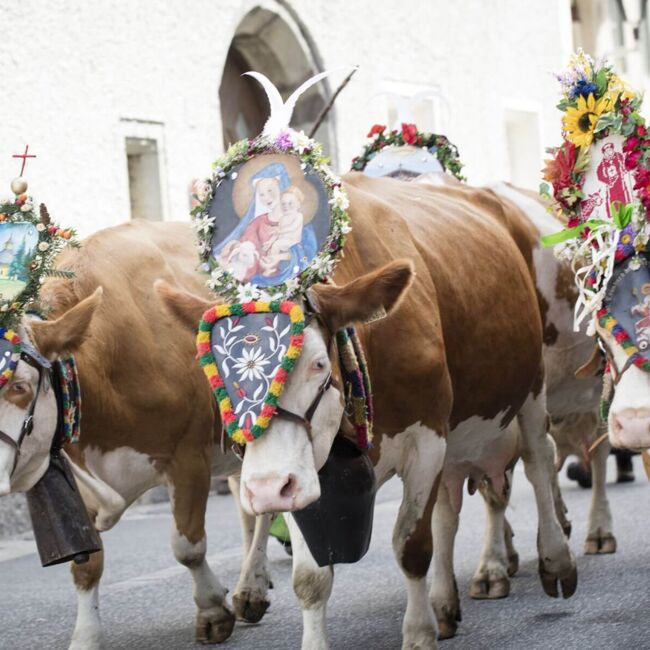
[
  {"x": 405, "y": 104},
  {"x": 281, "y": 112}
]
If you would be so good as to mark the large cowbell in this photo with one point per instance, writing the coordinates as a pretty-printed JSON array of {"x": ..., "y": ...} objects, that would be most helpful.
[
  {"x": 628, "y": 299},
  {"x": 405, "y": 161},
  {"x": 338, "y": 527},
  {"x": 62, "y": 527}
]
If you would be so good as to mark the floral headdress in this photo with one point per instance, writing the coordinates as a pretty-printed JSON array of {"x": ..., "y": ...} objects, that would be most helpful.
[
  {"x": 262, "y": 260},
  {"x": 598, "y": 179},
  {"x": 29, "y": 245},
  {"x": 408, "y": 134}
]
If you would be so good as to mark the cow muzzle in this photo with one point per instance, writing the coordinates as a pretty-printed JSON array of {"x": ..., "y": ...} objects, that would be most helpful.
[
  {"x": 630, "y": 428},
  {"x": 277, "y": 494}
]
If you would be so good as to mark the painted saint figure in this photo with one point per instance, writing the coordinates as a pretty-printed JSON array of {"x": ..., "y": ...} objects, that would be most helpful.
[
  {"x": 271, "y": 244},
  {"x": 611, "y": 172}
]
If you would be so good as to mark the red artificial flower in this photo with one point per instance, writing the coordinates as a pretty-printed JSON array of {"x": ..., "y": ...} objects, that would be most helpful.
[
  {"x": 632, "y": 160},
  {"x": 377, "y": 128},
  {"x": 558, "y": 170},
  {"x": 641, "y": 131},
  {"x": 409, "y": 133}
]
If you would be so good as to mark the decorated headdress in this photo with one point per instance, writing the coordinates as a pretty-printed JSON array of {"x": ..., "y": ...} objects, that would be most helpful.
[
  {"x": 270, "y": 221},
  {"x": 29, "y": 244},
  {"x": 598, "y": 180},
  {"x": 405, "y": 150}
]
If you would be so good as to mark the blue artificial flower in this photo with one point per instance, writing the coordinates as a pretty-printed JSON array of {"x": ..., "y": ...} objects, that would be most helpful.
[{"x": 583, "y": 88}]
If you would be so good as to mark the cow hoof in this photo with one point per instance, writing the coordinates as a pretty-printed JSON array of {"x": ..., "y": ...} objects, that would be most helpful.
[
  {"x": 513, "y": 563},
  {"x": 424, "y": 640},
  {"x": 490, "y": 587},
  {"x": 448, "y": 619},
  {"x": 568, "y": 582},
  {"x": 600, "y": 543},
  {"x": 214, "y": 625},
  {"x": 248, "y": 607}
]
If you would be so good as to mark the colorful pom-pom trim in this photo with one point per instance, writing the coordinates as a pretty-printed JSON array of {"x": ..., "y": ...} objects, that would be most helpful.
[
  {"x": 14, "y": 339},
  {"x": 209, "y": 364},
  {"x": 608, "y": 322}
]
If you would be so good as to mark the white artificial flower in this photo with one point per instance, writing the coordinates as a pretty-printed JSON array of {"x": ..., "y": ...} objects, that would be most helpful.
[
  {"x": 43, "y": 246},
  {"x": 205, "y": 267},
  {"x": 635, "y": 263},
  {"x": 251, "y": 364},
  {"x": 324, "y": 265},
  {"x": 26, "y": 207},
  {"x": 40, "y": 227},
  {"x": 7, "y": 199},
  {"x": 301, "y": 141},
  {"x": 247, "y": 292},
  {"x": 292, "y": 284},
  {"x": 345, "y": 227},
  {"x": 339, "y": 198},
  {"x": 203, "y": 224}
]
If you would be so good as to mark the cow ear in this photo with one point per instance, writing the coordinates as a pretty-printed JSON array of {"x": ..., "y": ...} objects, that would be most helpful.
[
  {"x": 592, "y": 367},
  {"x": 186, "y": 307},
  {"x": 367, "y": 298},
  {"x": 67, "y": 333}
]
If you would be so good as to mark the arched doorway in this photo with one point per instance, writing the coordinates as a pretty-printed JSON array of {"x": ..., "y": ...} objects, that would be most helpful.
[{"x": 273, "y": 43}]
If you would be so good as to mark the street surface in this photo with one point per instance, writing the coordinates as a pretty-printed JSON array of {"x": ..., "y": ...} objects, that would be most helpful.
[{"x": 146, "y": 600}]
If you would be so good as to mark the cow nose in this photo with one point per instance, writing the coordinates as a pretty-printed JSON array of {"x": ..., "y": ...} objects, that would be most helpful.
[
  {"x": 272, "y": 494},
  {"x": 632, "y": 427}
]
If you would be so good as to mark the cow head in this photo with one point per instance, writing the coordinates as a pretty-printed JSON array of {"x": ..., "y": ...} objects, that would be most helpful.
[
  {"x": 280, "y": 468},
  {"x": 51, "y": 339},
  {"x": 629, "y": 411}
]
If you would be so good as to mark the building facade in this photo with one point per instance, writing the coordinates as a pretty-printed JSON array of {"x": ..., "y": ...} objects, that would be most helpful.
[{"x": 125, "y": 103}]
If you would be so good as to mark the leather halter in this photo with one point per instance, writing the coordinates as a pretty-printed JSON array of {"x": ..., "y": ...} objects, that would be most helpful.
[
  {"x": 36, "y": 360},
  {"x": 615, "y": 372}
]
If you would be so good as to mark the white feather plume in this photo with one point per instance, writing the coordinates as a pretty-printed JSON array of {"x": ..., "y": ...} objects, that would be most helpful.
[{"x": 280, "y": 112}]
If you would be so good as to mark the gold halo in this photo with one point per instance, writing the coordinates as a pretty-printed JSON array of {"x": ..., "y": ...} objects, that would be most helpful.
[
  {"x": 645, "y": 289},
  {"x": 242, "y": 192}
]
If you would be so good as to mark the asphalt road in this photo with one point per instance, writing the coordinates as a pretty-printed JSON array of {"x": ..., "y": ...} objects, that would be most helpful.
[{"x": 146, "y": 600}]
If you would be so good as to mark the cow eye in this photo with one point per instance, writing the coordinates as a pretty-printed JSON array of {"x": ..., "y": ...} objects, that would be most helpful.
[
  {"x": 320, "y": 364},
  {"x": 19, "y": 387}
]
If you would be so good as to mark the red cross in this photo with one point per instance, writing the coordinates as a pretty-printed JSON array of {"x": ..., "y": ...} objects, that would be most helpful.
[{"x": 24, "y": 156}]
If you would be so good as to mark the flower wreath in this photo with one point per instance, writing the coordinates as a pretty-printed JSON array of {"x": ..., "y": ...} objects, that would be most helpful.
[
  {"x": 51, "y": 240},
  {"x": 597, "y": 104},
  {"x": 209, "y": 364},
  {"x": 445, "y": 151},
  {"x": 311, "y": 155}
]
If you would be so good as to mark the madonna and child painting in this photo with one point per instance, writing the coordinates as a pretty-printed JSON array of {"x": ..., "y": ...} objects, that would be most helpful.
[{"x": 271, "y": 219}]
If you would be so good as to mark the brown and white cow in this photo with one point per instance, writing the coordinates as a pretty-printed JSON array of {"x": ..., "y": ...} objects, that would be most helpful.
[
  {"x": 457, "y": 359},
  {"x": 572, "y": 405},
  {"x": 148, "y": 415}
]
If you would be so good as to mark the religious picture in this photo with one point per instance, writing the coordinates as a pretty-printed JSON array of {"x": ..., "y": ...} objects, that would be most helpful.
[
  {"x": 271, "y": 219},
  {"x": 17, "y": 246},
  {"x": 606, "y": 180}
]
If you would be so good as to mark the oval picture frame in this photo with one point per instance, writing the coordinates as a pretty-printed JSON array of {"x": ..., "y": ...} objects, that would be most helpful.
[{"x": 271, "y": 220}]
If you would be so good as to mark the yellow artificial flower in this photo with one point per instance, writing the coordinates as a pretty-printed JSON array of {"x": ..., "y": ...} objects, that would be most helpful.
[
  {"x": 579, "y": 123},
  {"x": 618, "y": 87}
]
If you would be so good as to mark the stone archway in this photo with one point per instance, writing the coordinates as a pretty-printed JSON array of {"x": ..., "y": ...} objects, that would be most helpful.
[{"x": 273, "y": 43}]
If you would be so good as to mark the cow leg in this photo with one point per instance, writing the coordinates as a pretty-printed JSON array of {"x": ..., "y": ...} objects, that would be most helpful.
[
  {"x": 600, "y": 538},
  {"x": 556, "y": 562},
  {"x": 491, "y": 579},
  {"x": 249, "y": 600},
  {"x": 513, "y": 556},
  {"x": 87, "y": 633},
  {"x": 189, "y": 485},
  {"x": 444, "y": 591},
  {"x": 421, "y": 459},
  {"x": 312, "y": 585}
]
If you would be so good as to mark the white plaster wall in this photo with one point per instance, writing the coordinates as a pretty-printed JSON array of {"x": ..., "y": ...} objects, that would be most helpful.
[{"x": 71, "y": 72}]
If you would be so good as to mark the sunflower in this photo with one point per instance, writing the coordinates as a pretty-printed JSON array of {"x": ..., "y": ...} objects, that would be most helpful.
[{"x": 579, "y": 123}]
